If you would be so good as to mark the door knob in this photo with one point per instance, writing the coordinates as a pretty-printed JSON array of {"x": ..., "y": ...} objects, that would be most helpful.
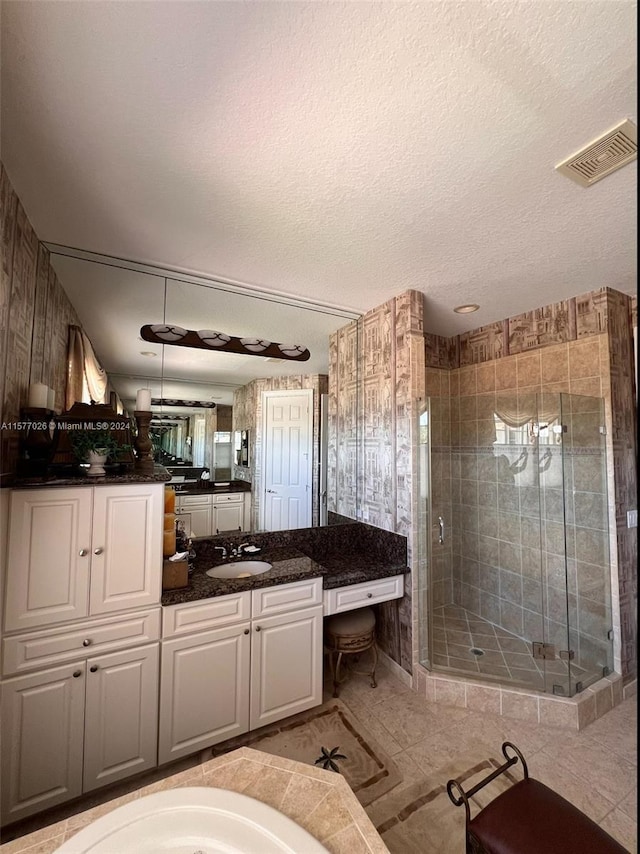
[
  {"x": 246, "y": 631},
  {"x": 272, "y": 490},
  {"x": 98, "y": 551},
  {"x": 83, "y": 552},
  {"x": 86, "y": 642},
  {"x": 257, "y": 628},
  {"x": 93, "y": 668},
  {"x": 77, "y": 673}
]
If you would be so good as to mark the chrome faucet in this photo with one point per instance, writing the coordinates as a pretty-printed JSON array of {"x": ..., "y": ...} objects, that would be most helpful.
[
  {"x": 237, "y": 551},
  {"x": 221, "y": 549}
]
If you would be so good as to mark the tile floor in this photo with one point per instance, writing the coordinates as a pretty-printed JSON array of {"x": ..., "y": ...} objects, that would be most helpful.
[
  {"x": 595, "y": 769},
  {"x": 506, "y": 657}
]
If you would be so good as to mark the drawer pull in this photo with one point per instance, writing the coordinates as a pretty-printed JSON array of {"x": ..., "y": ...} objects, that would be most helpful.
[
  {"x": 86, "y": 642},
  {"x": 257, "y": 628},
  {"x": 83, "y": 552},
  {"x": 93, "y": 668},
  {"x": 246, "y": 631},
  {"x": 77, "y": 673},
  {"x": 98, "y": 551},
  {"x": 369, "y": 595}
]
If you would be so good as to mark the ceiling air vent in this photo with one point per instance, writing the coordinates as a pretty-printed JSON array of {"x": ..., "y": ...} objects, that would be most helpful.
[{"x": 609, "y": 152}]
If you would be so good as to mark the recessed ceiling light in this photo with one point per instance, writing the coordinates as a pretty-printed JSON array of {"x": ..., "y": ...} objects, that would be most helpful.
[
  {"x": 466, "y": 309},
  {"x": 147, "y": 353}
]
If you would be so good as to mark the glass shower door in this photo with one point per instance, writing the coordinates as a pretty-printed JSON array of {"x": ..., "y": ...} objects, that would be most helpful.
[
  {"x": 588, "y": 561},
  {"x": 577, "y": 645}
]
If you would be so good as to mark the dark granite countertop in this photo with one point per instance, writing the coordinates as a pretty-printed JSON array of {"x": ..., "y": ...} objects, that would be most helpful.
[
  {"x": 289, "y": 564},
  {"x": 159, "y": 475},
  {"x": 211, "y": 487}
]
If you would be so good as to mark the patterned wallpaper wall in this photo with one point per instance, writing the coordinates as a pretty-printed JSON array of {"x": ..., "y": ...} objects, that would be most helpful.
[
  {"x": 247, "y": 415},
  {"x": 374, "y": 392},
  {"x": 568, "y": 320},
  {"x": 35, "y": 314}
]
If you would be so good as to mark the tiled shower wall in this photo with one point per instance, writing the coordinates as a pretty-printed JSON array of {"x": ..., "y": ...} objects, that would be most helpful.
[
  {"x": 502, "y": 556},
  {"x": 247, "y": 415},
  {"x": 493, "y": 568}
]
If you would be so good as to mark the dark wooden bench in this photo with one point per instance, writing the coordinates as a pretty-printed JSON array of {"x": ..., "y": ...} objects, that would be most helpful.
[{"x": 529, "y": 818}]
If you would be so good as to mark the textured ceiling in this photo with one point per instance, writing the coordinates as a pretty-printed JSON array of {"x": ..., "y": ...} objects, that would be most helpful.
[{"x": 339, "y": 151}]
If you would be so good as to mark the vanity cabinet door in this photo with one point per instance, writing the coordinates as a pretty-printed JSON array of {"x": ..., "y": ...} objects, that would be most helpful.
[
  {"x": 204, "y": 690},
  {"x": 286, "y": 665},
  {"x": 121, "y": 730},
  {"x": 42, "y": 726},
  {"x": 49, "y": 557},
  {"x": 199, "y": 520},
  {"x": 228, "y": 516},
  {"x": 82, "y": 551},
  {"x": 126, "y": 550}
]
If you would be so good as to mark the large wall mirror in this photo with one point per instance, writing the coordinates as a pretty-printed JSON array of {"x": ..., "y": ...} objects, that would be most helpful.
[{"x": 243, "y": 428}]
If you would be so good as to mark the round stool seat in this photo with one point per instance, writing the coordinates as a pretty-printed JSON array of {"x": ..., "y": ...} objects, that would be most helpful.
[
  {"x": 351, "y": 623},
  {"x": 348, "y": 634}
]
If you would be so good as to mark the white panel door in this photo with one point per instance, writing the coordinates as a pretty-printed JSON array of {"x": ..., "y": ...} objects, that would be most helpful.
[
  {"x": 126, "y": 559},
  {"x": 49, "y": 557},
  {"x": 204, "y": 690},
  {"x": 287, "y": 459},
  {"x": 286, "y": 665},
  {"x": 42, "y": 726},
  {"x": 121, "y": 719}
]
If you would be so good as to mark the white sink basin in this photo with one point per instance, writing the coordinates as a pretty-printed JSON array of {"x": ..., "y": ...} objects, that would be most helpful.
[
  {"x": 193, "y": 819},
  {"x": 239, "y": 569}
]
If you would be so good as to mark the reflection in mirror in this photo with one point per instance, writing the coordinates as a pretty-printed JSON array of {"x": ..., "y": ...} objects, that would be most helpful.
[{"x": 259, "y": 399}]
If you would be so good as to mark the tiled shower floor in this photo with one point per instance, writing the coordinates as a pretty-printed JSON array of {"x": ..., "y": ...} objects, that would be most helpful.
[{"x": 505, "y": 657}]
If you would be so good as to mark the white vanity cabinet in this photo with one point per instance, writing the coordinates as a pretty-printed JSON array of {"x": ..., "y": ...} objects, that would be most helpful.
[
  {"x": 229, "y": 512},
  {"x": 208, "y": 514},
  {"x": 80, "y": 551},
  {"x": 80, "y": 651},
  {"x": 70, "y": 729},
  {"x": 255, "y": 658}
]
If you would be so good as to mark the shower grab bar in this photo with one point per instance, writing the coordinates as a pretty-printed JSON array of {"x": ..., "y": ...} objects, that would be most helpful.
[{"x": 441, "y": 527}]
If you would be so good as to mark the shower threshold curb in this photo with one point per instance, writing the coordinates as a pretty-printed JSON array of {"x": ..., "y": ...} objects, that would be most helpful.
[{"x": 573, "y": 713}]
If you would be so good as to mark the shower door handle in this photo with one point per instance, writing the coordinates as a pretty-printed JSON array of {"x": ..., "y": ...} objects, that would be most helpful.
[{"x": 441, "y": 529}]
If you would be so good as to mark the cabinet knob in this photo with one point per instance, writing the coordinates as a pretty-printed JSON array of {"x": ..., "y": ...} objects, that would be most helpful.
[
  {"x": 98, "y": 551},
  {"x": 93, "y": 668},
  {"x": 369, "y": 595},
  {"x": 77, "y": 673},
  {"x": 257, "y": 628},
  {"x": 246, "y": 631},
  {"x": 83, "y": 552},
  {"x": 86, "y": 642}
]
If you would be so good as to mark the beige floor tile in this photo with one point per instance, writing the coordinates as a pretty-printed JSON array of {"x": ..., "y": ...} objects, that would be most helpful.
[
  {"x": 579, "y": 754},
  {"x": 622, "y": 828},
  {"x": 440, "y": 748},
  {"x": 629, "y": 805},
  {"x": 368, "y": 716},
  {"x": 544, "y": 766}
]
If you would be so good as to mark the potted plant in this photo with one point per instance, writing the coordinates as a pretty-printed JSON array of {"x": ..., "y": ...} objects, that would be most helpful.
[{"x": 95, "y": 447}]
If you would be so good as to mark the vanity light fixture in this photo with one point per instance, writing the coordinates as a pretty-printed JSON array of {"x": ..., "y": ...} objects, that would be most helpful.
[
  {"x": 174, "y": 401},
  {"x": 209, "y": 339},
  {"x": 466, "y": 309}
]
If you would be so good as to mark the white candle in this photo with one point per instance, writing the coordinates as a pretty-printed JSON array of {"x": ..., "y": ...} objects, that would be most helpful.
[
  {"x": 38, "y": 393},
  {"x": 143, "y": 400},
  {"x": 51, "y": 399}
]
